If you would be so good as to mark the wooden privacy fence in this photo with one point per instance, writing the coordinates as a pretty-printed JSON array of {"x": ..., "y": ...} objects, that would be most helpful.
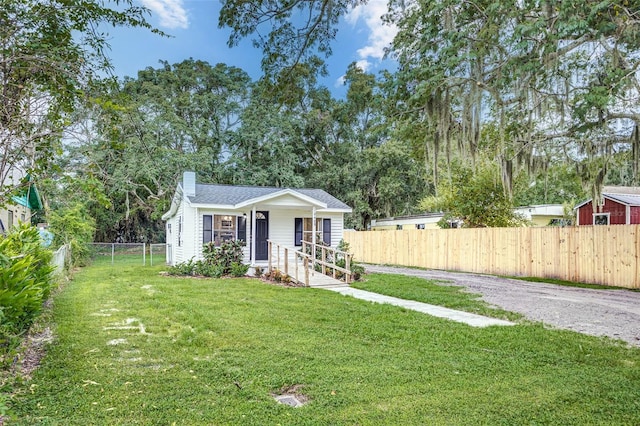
[{"x": 607, "y": 255}]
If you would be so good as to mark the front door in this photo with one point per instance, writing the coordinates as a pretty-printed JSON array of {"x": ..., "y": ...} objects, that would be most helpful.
[{"x": 262, "y": 235}]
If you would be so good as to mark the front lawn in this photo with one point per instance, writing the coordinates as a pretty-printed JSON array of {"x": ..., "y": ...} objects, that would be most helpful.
[{"x": 134, "y": 347}]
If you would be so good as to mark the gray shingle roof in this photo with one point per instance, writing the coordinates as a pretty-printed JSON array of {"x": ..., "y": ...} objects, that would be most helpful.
[{"x": 232, "y": 195}]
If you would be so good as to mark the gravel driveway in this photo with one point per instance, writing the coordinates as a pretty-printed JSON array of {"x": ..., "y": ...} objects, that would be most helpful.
[{"x": 612, "y": 313}]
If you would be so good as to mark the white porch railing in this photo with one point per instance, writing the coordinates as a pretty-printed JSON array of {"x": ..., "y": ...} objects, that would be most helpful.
[{"x": 307, "y": 259}]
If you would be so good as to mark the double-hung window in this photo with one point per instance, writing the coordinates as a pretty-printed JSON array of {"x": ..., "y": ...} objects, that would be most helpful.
[
  {"x": 304, "y": 230},
  {"x": 219, "y": 228}
]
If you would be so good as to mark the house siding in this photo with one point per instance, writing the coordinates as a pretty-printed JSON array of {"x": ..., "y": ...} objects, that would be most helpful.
[
  {"x": 617, "y": 213},
  {"x": 282, "y": 227},
  {"x": 189, "y": 232},
  {"x": 635, "y": 215},
  {"x": 337, "y": 226},
  {"x": 178, "y": 248},
  {"x": 20, "y": 214}
]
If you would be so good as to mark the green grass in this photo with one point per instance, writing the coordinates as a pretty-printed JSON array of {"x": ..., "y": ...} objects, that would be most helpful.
[
  {"x": 214, "y": 351},
  {"x": 570, "y": 283},
  {"x": 433, "y": 292}
]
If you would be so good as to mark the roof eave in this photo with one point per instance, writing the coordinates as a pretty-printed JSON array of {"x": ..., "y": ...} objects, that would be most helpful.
[
  {"x": 293, "y": 193},
  {"x": 175, "y": 203},
  {"x": 337, "y": 210}
]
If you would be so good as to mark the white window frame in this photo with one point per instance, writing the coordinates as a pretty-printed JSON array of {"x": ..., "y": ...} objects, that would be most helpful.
[{"x": 607, "y": 215}]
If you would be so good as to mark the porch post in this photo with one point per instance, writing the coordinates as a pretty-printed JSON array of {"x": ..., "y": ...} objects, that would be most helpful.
[
  {"x": 313, "y": 236},
  {"x": 253, "y": 236}
]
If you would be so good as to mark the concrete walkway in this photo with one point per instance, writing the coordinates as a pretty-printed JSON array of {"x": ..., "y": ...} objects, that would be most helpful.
[{"x": 437, "y": 311}]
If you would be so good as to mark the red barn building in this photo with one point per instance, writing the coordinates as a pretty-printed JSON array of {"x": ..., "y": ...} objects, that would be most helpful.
[{"x": 618, "y": 206}]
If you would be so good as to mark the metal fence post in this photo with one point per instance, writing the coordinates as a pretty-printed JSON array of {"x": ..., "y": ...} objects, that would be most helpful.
[
  {"x": 144, "y": 254},
  {"x": 113, "y": 250}
]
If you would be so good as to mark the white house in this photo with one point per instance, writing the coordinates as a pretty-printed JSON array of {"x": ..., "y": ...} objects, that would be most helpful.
[
  {"x": 203, "y": 213},
  {"x": 537, "y": 215}
]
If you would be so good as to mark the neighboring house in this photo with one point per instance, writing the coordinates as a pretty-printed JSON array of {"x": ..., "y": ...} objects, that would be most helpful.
[
  {"x": 21, "y": 207},
  {"x": 417, "y": 221},
  {"x": 543, "y": 214},
  {"x": 539, "y": 215},
  {"x": 203, "y": 213},
  {"x": 619, "y": 205}
]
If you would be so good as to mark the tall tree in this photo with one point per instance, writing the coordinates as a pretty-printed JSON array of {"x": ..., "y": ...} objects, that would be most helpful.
[
  {"x": 550, "y": 76},
  {"x": 299, "y": 32},
  {"x": 50, "y": 52},
  {"x": 149, "y": 130}
]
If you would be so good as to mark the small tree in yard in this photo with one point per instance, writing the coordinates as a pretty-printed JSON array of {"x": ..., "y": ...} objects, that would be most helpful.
[
  {"x": 72, "y": 225},
  {"x": 51, "y": 54},
  {"x": 478, "y": 199}
]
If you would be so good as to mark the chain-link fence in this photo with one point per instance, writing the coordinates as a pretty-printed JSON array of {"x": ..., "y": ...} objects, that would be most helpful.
[
  {"x": 158, "y": 253},
  {"x": 132, "y": 253},
  {"x": 119, "y": 252}
]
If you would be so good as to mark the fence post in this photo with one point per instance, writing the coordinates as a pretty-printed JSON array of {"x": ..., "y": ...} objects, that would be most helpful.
[
  {"x": 144, "y": 254},
  {"x": 113, "y": 252},
  {"x": 150, "y": 255},
  {"x": 347, "y": 266},
  {"x": 270, "y": 257}
]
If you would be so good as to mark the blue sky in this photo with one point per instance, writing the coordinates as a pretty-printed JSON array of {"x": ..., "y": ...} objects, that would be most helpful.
[{"x": 194, "y": 26}]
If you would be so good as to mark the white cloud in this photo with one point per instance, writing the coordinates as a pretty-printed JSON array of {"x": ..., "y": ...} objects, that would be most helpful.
[
  {"x": 172, "y": 13},
  {"x": 380, "y": 35},
  {"x": 363, "y": 64}
]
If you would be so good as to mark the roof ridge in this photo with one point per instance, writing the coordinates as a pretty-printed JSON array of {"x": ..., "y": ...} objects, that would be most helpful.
[{"x": 258, "y": 186}]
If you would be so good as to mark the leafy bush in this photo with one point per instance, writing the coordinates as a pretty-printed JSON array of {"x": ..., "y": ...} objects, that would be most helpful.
[
  {"x": 208, "y": 270},
  {"x": 227, "y": 254},
  {"x": 357, "y": 270},
  {"x": 218, "y": 261},
  {"x": 72, "y": 225},
  {"x": 26, "y": 279},
  {"x": 184, "y": 268},
  {"x": 239, "y": 269}
]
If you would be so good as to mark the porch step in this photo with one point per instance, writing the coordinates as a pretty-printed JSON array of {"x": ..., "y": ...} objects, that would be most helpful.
[{"x": 318, "y": 280}]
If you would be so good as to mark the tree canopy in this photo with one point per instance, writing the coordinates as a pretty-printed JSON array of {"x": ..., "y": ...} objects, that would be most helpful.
[
  {"x": 516, "y": 102},
  {"x": 50, "y": 53}
]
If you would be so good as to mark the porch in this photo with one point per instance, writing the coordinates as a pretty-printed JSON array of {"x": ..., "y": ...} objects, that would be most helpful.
[{"x": 314, "y": 265}]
